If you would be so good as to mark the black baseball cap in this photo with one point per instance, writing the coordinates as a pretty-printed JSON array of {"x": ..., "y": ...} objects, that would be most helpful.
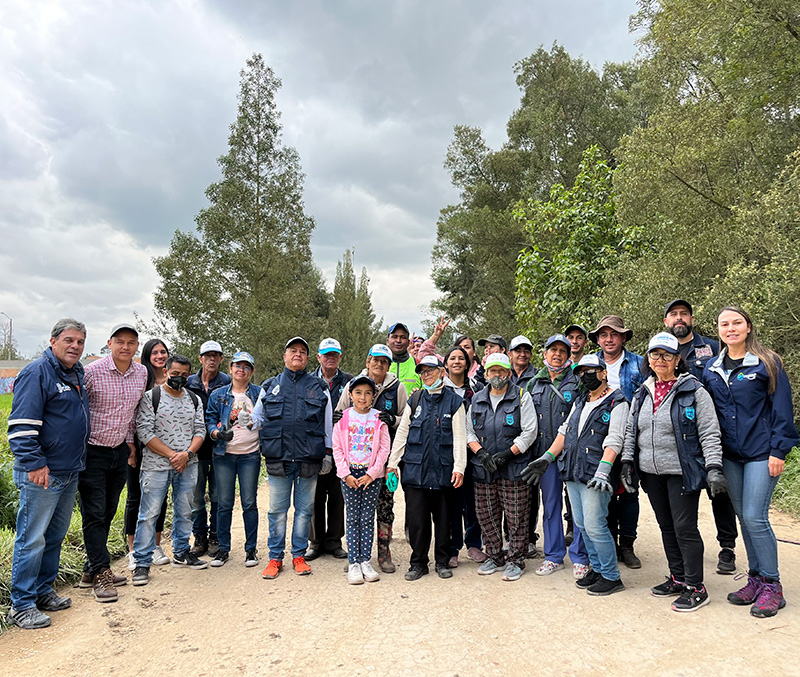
[
  {"x": 572, "y": 327},
  {"x": 493, "y": 338},
  {"x": 678, "y": 302}
]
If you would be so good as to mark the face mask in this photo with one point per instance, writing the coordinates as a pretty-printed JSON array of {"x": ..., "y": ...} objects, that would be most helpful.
[
  {"x": 176, "y": 382},
  {"x": 590, "y": 381},
  {"x": 434, "y": 385},
  {"x": 557, "y": 370},
  {"x": 499, "y": 382}
]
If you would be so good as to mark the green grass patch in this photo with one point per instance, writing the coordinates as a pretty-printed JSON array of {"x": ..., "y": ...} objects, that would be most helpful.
[{"x": 787, "y": 493}]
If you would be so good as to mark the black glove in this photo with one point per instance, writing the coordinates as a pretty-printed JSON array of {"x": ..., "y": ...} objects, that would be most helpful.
[
  {"x": 388, "y": 418},
  {"x": 337, "y": 416},
  {"x": 486, "y": 460},
  {"x": 627, "y": 478},
  {"x": 501, "y": 458},
  {"x": 226, "y": 435},
  {"x": 536, "y": 468},
  {"x": 717, "y": 484}
]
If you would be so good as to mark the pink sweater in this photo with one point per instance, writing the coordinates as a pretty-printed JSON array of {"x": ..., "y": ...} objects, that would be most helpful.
[{"x": 341, "y": 447}]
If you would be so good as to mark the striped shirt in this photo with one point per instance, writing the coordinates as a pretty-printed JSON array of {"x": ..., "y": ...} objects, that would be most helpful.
[{"x": 113, "y": 398}]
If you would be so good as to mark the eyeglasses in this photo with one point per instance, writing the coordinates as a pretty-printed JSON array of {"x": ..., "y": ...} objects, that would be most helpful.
[
  {"x": 662, "y": 357},
  {"x": 243, "y": 367}
]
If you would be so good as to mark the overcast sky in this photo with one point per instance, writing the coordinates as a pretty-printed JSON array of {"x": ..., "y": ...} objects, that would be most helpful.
[{"x": 113, "y": 115}]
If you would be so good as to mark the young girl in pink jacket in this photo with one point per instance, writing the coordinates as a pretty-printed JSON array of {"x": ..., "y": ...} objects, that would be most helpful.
[{"x": 360, "y": 450}]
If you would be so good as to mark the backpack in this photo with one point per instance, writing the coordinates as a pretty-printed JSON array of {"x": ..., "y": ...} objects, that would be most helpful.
[{"x": 157, "y": 398}]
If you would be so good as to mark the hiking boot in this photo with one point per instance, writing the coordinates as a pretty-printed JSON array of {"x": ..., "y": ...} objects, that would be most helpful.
[
  {"x": 770, "y": 600},
  {"x": 221, "y": 558},
  {"x": 726, "y": 562},
  {"x": 415, "y": 573},
  {"x": 141, "y": 575},
  {"x": 251, "y": 558},
  {"x": 213, "y": 543},
  {"x": 300, "y": 566},
  {"x": 691, "y": 599},
  {"x": 86, "y": 581},
  {"x": 443, "y": 571},
  {"x": 370, "y": 575},
  {"x": 547, "y": 567},
  {"x": 749, "y": 593},
  {"x": 626, "y": 555},
  {"x": 160, "y": 558},
  {"x": 588, "y": 580},
  {"x": 187, "y": 559},
  {"x": 104, "y": 590},
  {"x": 602, "y": 587},
  {"x": 274, "y": 567},
  {"x": 200, "y": 546},
  {"x": 354, "y": 575},
  {"x": 668, "y": 588},
  {"x": 580, "y": 570},
  {"x": 28, "y": 619},
  {"x": 52, "y": 602},
  {"x": 384, "y": 555},
  {"x": 477, "y": 555},
  {"x": 512, "y": 572},
  {"x": 312, "y": 554},
  {"x": 489, "y": 567}
]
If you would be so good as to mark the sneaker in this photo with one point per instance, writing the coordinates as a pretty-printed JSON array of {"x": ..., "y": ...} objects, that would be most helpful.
[
  {"x": 141, "y": 576},
  {"x": 370, "y": 575},
  {"x": 452, "y": 563},
  {"x": 300, "y": 566},
  {"x": 104, "y": 590},
  {"x": 160, "y": 558},
  {"x": 273, "y": 569},
  {"x": 354, "y": 575},
  {"x": 547, "y": 567},
  {"x": 443, "y": 571},
  {"x": 602, "y": 587},
  {"x": 187, "y": 559},
  {"x": 28, "y": 619},
  {"x": 415, "y": 573},
  {"x": 726, "y": 562},
  {"x": 691, "y": 599},
  {"x": 220, "y": 558},
  {"x": 769, "y": 601},
  {"x": 200, "y": 546},
  {"x": 52, "y": 602},
  {"x": 512, "y": 572},
  {"x": 668, "y": 588},
  {"x": 749, "y": 593},
  {"x": 532, "y": 551},
  {"x": 477, "y": 555},
  {"x": 251, "y": 558},
  {"x": 580, "y": 570},
  {"x": 489, "y": 567},
  {"x": 131, "y": 562},
  {"x": 590, "y": 578},
  {"x": 213, "y": 544}
]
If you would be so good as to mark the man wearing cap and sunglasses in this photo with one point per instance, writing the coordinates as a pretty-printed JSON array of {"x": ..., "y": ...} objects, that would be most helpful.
[
  {"x": 203, "y": 383},
  {"x": 494, "y": 343},
  {"x": 326, "y": 536},
  {"x": 403, "y": 364}
]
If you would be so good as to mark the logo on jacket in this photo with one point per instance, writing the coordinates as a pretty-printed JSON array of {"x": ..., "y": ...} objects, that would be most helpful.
[
  {"x": 606, "y": 417},
  {"x": 741, "y": 377},
  {"x": 690, "y": 413},
  {"x": 568, "y": 396},
  {"x": 703, "y": 351},
  {"x": 62, "y": 388},
  {"x": 509, "y": 419},
  {"x": 276, "y": 389},
  {"x": 418, "y": 412}
]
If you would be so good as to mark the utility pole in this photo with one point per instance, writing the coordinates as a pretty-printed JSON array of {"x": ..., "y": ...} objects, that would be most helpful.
[{"x": 10, "y": 334}]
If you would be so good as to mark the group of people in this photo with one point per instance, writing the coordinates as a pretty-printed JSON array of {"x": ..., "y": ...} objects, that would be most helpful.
[{"x": 479, "y": 445}]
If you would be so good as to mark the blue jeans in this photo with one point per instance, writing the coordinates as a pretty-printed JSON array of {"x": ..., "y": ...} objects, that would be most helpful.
[
  {"x": 202, "y": 520},
  {"x": 750, "y": 487},
  {"x": 590, "y": 514},
  {"x": 155, "y": 484},
  {"x": 280, "y": 496},
  {"x": 555, "y": 547},
  {"x": 226, "y": 469},
  {"x": 42, "y": 523}
]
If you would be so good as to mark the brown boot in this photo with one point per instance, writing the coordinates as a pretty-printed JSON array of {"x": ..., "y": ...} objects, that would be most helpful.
[
  {"x": 384, "y": 556},
  {"x": 104, "y": 590}
]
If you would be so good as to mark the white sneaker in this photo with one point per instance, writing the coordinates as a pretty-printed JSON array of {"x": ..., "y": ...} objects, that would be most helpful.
[
  {"x": 547, "y": 567},
  {"x": 159, "y": 558},
  {"x": 370, "y": 575},
  {"x": 354, "y": 575},
  {"x": 579, "y": 571},
  {"x": 131, "y": 562}
]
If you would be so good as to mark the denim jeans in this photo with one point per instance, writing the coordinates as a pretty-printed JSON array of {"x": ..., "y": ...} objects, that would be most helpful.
[
  {"x": 42, "y": 523},
  {"x": 226, "y": 469},
  {"x": 202, "y": 520},
  {"x": 590, "y": 514},
  {"x": 750, "y": 487},
  {"x": 155, "y": 484},
  {"x": 280, "y": 496}
]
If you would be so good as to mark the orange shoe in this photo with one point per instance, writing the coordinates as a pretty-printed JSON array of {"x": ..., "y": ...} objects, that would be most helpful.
[
  {"x": 273, "y": 569},
  {"x": 300, "y": 566}
]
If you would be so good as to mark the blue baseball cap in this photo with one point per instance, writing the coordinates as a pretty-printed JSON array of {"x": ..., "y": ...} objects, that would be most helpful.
[
  {"x": 591, "y": 361},
  {"x": 558, "y": 338},
  {"x": 243, "y": 356},
  {"x": 396, "y": 325},
  {"x": 381, "y": 350},
  {"x": 329, "y": 345}
]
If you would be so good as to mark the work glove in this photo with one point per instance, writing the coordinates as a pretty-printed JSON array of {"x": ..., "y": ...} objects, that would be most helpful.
[
  {"x": 501, "y": 458},
  {"x": 244, "y": 419},
  {"x": 327, "y": 465},
  {"x": 337, "y": 416},
  {"x": 388, "y": 418},
  {"x": 533, "y": 472},
  {"x": 225, "y": 435},
  {"x": 486, "y": 460},
  {"x": 717, "y": 484},
  {"x": 627, "y": 478},
  {"x": 600, "y": 480}
]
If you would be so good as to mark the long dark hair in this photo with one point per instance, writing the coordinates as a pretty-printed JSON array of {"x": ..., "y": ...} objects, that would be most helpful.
[
  {"x": 770, "y": 358},
  {"x": 147, "y": 351},
  {"x": 466, "y": 357}
]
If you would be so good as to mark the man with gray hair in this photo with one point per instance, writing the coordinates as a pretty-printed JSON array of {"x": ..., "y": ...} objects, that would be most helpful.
[{"x": 47, "y": 431}]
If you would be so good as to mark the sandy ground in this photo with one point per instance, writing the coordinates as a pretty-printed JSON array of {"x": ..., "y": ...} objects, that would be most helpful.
[{"x": 229, "y": 621}]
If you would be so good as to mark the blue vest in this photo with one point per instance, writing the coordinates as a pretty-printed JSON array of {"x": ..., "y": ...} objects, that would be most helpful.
[
  {"x": 294, "y": 405},
  {"x": 553, "y": 405},
  {"x": 428, "y": 458},
  {"x": 496, "y": 430},
  {"x": 583, "y": 453}
]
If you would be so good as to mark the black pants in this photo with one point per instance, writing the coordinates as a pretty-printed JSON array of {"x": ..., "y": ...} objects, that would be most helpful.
[
  {"x": 536, "y": 495},
  {"x": 322, "y": 536},
  {"x": 464, "y": 527},
  {"x": 724, "y": 519},
  {"x": 134, "y": 499},
  {"x": 422, "y": 506},
  {"x": 676, "y": 514},
  {"x": 623, "y": 515},
  {"x": 99, "y": 487}
]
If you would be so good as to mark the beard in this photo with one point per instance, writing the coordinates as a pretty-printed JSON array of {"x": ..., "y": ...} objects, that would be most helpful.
[{"x": 681, "y": 330}]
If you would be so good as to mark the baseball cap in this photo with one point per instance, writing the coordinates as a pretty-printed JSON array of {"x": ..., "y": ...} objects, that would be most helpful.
[
  {"x": 400, "y": 325},
  {"x": 361, "y": 378},
  {"x": 329, "y": 345},
  {"x": 664, "y": 341},
  {"x": 381, "y": 350},
  {"x": 493, "y": 338},
  {"x": 124, "y": 325},
  {"x": 558, "y": 338},
  {"x": 592, "y": 361},
  {"x": 497, "y": 360},
  {"x": 242, "y": 356},
  {"x": 296, "y": 339},
  {"x": 579, "y": 327},
  {"x": 210, "y": 347},
  {"x": 428, "y": 361},
  {"x": 678, "y": 302},
  {"x": 520, "y": 340}
]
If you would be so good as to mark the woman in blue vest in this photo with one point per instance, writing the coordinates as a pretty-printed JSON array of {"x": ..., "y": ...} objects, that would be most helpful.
[
  {"x": 753, "y": 399},
  {"x": 672, "y": 440},
  {"x": 588, "y": 445}
]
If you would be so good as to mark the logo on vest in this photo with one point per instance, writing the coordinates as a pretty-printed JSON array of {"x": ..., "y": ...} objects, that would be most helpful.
[
  {"x": 568, "y": 396},
  {"x": 418, "y": 412},
  {"x": 741, "y": 377},
  {"x": 606, "y": 417},
  {"x": 509, "y": 419},
  {"x": 690, "y": 413},
  {"x": 387, "y": 405},
  {"x": 276, "y": 389}
]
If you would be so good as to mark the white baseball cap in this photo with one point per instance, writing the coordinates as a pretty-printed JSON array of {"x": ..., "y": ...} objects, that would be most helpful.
[
  {"x": 329, "y": 345},
  {"x": 518, "y": 341},
  {"x": 381, "y": 350},
  {"x": 664, "y": 341},
  {"x": 497, "y": 360},
  {"x": 210, "y": 347}
]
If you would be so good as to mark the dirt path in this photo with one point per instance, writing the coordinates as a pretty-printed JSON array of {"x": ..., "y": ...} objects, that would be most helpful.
[{"x": 230, "y": 621}]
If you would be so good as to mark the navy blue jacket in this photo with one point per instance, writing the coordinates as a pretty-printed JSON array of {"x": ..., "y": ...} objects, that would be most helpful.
[
  {"x": 49, "y": 420},
  {"x": 195, "y": 384},
  {"x": 553, "y": 404},
  {"x": 754, "y": 423},
  {"x": 703, "y": 349},
  {"x": 218, "y": 411},
  {"x": 335, "y": 387},
  {"x": 523, "y": 380}
]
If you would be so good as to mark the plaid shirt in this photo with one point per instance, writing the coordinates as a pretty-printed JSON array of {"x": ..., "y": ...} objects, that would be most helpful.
[{"x": 113, "y": 398}]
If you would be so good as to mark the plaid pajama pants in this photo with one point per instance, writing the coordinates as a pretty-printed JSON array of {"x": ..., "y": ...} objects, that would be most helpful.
[{"x": 511, "y": 499}]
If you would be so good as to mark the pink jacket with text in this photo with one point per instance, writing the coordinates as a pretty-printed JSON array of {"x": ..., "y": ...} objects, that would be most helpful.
[{"x": 341, "y": 447}]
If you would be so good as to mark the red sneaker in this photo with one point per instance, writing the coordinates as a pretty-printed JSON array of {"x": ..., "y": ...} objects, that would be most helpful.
[
  {"x": 300, "y": 566},
  {"x": 273, "y": 569}
]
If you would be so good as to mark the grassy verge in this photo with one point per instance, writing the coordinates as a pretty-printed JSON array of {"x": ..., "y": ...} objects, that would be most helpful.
[{"x": 787, "y": 493}]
